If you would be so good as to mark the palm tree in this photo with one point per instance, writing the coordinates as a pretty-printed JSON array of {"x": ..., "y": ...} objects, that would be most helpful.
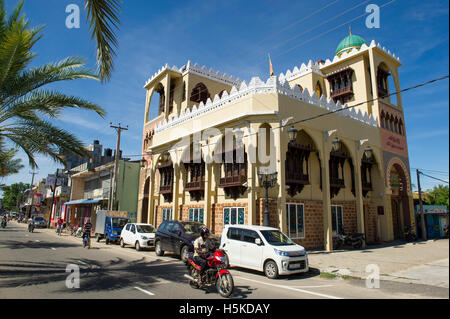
[
  {"x": 103, "y": 18},
  {"x": 8, "y": 164},
  {"x": 26, "y": 107}
]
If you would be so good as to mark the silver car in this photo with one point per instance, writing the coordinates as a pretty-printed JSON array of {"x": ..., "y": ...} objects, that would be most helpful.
[{"x": 40, "y": 222}]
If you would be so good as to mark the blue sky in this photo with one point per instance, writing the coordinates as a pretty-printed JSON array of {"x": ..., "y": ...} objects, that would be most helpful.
[{"x": 234, "y": 37}]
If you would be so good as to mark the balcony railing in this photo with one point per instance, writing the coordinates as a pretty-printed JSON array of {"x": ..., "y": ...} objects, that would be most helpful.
[
  {"x": 294, "y": 177},
  {"x": 366, "y": 186},
  {"x": 230, "y": 181},
  {"x": 337, "y": 183},
  {"x": 195, "y": 186},
  {"x": 341, "y": 91},
  {"x": 166, "y": 189}
]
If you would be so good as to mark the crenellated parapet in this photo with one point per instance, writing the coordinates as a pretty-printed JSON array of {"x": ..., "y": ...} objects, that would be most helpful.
[
  {"x": 256, "y": 86},
  {"x": 210, "y": 74}
]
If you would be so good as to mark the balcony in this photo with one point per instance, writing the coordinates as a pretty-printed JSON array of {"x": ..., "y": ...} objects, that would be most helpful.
[
  {"x": 295, "y": 177},
  {"x": 166, "y": 189},
  {"x": 232, "y": 181},
  {"x": 195, "y": 186},
  {"x": 342, "y": 93}
]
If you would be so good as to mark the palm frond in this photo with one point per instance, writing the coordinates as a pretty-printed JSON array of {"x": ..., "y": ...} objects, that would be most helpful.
[{"x": 103, "y": 18}]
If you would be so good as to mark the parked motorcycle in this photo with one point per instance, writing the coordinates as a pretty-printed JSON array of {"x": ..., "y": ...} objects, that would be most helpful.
[
  {"x": 31, "y": 227},
  {"x": 4, "y": 223},
  {"x": 86, "y": 240},
  {"x": 354, "y": 240},
  {"x": 409, "y": 235},
  {"x": 446, "y": 231},
  {"x": 215, "y": 274}
]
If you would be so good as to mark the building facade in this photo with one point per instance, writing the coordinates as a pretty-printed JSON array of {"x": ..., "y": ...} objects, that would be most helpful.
[
  {"x": 91, "y": 189},
  {"x": 347, "y": 170}
]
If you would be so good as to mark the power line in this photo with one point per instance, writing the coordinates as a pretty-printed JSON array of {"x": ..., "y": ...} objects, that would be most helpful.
[
  {"x": 438, "y": 179},
  {"x": 326, "y": 32},
  {"x": 284, "y": 29},
  {"x": 317, "y": 26},
  {"x": 336, "y": 111},
  {"x": 430, "y": 170}
]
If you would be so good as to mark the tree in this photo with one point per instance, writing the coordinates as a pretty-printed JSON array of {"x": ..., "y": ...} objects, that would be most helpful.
[
  {"x": 13, "y": 195},
  {"x": 103, "y": 17},
  {"x": 26, "y": 107},
  {"x": 439, "y": 196}
]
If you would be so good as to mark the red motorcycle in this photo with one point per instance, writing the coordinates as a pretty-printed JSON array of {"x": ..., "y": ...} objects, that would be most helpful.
[{"x": 215, "y": 274}]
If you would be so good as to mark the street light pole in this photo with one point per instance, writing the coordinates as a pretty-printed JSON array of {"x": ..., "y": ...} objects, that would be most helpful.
[{"x": 266, "y": 221}]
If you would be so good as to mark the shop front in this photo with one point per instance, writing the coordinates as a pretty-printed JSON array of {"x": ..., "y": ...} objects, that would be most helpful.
[{"x": 436, "y": 219}]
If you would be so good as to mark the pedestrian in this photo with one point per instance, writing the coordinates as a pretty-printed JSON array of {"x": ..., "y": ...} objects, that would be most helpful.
[{"x": 59, "y": 225}]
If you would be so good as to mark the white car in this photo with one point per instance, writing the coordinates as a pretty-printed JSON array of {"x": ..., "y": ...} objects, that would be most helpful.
[
  {"x": 138, "y": 235},
  {"x": 264, "y": 249}
]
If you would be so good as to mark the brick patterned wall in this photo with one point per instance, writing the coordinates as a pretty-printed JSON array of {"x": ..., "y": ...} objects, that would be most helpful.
[
  {"x": 349, "y": 215},
  {"x": 217, "y": 215},
  {"x": 159, "y": 214},
  {"x": 371, "y": 223},
  {"x": 273, "y": 212},
  {"x": 314, "y": 234}
]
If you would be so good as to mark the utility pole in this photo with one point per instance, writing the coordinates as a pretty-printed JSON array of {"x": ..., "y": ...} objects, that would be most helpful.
[
  {"x": 53, "y": 198},
  {"x": 422, "y": 217},
  {"x": 31, "y": 191},
  {"x": 113, "y": 196}
]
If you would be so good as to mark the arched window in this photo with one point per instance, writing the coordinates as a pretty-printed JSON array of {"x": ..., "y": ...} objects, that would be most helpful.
[
  {"x": 400, "y": 127},
  {"x": 300, "y": 87},
  {"x": 318, "y": 89},
  {"x": 382, "y": 119},
  {"x": 184, "y": 91},
  {"x": 199, "y": 93}
]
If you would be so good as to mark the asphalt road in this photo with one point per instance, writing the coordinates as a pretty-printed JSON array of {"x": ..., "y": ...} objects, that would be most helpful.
[{"x": 33, "y": 265}]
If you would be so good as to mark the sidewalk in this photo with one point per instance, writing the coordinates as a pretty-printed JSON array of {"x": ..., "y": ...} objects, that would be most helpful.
[{"x": 421, "y": 262}]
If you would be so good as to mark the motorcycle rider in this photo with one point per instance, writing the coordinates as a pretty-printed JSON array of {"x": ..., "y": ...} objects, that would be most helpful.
[
  {"x": 202, "y": 246},
  {"x": 30, "y": 223}
]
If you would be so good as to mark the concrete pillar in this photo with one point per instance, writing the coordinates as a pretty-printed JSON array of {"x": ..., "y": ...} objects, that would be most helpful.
[{"x": 326, "y": 196}]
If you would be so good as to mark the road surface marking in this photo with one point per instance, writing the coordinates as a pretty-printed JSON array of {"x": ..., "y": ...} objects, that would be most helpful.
[
  {"x": 312, "y": 286},
  {"x": 145, "y": 291},
  {"x": 294, "y": 289},
  {"x": 37, "y": 240},
  {"x": 83, "y": 262},
  {"x": 53, "y": 248}
]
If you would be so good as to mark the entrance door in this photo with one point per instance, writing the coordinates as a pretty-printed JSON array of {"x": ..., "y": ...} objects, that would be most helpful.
[{"x": 396, "y": 221}]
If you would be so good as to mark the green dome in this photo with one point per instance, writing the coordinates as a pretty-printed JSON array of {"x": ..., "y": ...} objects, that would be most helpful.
[{"x": 349, "y": 42}]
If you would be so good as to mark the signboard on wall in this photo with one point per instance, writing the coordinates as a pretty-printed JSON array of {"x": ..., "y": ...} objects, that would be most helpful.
[{"x": 394, "y": 143}]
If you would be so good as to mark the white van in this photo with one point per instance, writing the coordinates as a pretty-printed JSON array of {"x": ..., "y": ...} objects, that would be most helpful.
[{"x": 264, "y": 249}]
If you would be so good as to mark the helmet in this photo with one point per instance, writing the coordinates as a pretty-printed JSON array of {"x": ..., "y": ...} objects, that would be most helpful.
[{"x": 204, "y": 231}]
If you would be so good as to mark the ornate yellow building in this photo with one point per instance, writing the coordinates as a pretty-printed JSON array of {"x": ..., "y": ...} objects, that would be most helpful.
[{"x": 348, "y": 169}]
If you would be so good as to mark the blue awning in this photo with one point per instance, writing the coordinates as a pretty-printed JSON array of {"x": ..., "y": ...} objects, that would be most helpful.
[{"x": 83, "y": 201}]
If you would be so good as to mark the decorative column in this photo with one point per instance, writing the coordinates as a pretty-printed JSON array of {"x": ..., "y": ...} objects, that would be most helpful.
[
  {"x": 358, "y": 191},
  {"x": 251, "y": 174},
  {"x": 281, "y": 169},
  {"x": 167, "y": 96},
  {"x": 151, "y": 202},
  {"x": 326, "y": 196}
]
